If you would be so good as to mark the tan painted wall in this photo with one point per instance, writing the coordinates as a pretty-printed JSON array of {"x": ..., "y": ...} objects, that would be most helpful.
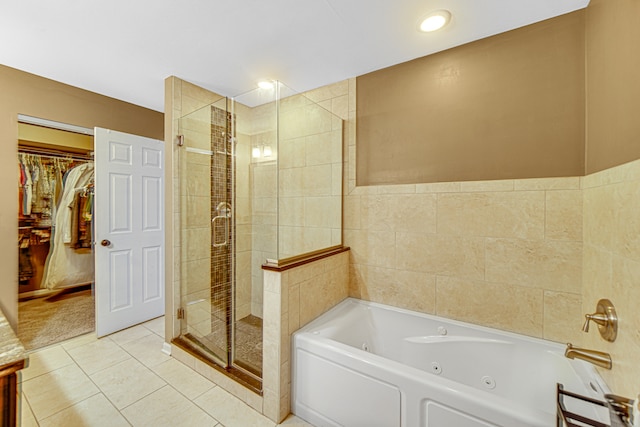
[
  {"x": 580, "y": 232},
  {"x": 24, "y": 93},
  {"x": 508, "y": 106},
  {"x": 613, "y": 88},
  {"x": 526, "y": 255}
]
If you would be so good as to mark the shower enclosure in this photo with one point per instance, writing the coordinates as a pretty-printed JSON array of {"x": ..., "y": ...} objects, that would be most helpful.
[{"x": 260, "y": 178}]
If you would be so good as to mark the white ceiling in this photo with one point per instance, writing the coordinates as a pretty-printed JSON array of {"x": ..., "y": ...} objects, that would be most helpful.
[{"x": 126, "y": 48}]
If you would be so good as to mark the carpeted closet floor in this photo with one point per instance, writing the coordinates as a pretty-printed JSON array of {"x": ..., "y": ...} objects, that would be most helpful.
[{"x": 45, "y": 321}]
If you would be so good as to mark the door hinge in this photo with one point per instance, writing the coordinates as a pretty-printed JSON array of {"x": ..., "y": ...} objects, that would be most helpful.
[
  {"x": 180, "y": 140},
  {"x": 180, "y": 313}
]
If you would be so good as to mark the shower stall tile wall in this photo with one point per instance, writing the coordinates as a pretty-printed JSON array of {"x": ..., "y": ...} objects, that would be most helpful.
[{"x": 256, "y": 177}]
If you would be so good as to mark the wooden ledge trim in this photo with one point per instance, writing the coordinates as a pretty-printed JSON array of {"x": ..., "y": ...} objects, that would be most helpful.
[{"x": 289, "y": 263}]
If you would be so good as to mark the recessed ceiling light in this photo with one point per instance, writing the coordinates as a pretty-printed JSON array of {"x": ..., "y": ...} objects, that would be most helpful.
[
  {"x": 265, "y": 84},
  {"x": 434, "y": 21}
]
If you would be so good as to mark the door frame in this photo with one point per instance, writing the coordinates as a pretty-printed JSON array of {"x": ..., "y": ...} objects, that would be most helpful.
[{"x": 27, "y": 119}]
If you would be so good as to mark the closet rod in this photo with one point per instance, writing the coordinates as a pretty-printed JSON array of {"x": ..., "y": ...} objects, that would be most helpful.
[{"x": 54, "y": 154}]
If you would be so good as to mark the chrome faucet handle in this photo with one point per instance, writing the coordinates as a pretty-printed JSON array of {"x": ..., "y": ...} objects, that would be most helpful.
[{"x": 606, "y": 318}]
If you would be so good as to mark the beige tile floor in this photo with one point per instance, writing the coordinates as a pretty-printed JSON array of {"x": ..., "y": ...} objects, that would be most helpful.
[{"x": 125, "y": 380}]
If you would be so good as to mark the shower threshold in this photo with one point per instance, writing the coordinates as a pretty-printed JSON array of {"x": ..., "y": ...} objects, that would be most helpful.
[{"x": 193, "y": 346}]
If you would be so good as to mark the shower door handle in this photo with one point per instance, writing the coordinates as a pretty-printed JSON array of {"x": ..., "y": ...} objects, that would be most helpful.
[{"x": 225, "y": 242}]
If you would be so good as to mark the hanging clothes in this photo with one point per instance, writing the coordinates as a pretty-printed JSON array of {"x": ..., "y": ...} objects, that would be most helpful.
[
  {"x": 40, "y": 188},
  {"x": 81, "y": 215},
  {"x": 35, "y": 178},
  {"x": 27, "y": 190},
  {"x": 37, "y": 185},
  {"x": 26, "y": 269},
  {"x": 21, "y": 181},
  {"x": 65, "y": 265}
]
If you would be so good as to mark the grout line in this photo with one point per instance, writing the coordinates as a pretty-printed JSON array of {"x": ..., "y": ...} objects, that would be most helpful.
[
  {"x": 484, "y": 255},
  {"x": 108, "y": 367},
  {"x": 142, "y": 397},
  {"x": 167, "y": 383},
  {"x": 23, "y": 398},
  {"x": 544, "y": 206},
  {"x": 67, "y": 407},
  {"x": 544, "y": 310},
  {"x": 149, "y": 368},
  {"x": 435, "y": 295}
]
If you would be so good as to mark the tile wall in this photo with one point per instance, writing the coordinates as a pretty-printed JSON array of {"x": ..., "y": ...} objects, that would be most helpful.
[
  {"x": 192, "y": 248},
  {"x": 220, "y": 278},
  {"x": 507, "y": 254},
  {"x": 314, "y": 287},
  {"x": 611, "y": 267},
  {"x": 243, "y": 216},
  {"x": 530, "y": 256},
  {"x": 292, "y": 299},
  {"x": 262, "y": 123},
  {"x": 504, "y": 254},
  {"x": 196, "y": 201},
  {"x": 295, "y": 192},
  {"x": 309, "y": 177},
  {"x": 187, "y": 99}
]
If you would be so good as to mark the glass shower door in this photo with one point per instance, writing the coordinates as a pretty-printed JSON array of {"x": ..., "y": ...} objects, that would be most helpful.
[
  {"x": 206, "y": 230},
  {"x": 228, "y": 228},
  {"x": 259, "y": 178}
]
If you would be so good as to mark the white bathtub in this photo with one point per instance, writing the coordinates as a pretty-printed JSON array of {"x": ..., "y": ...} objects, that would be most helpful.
[{"x": 366, "y": 364}]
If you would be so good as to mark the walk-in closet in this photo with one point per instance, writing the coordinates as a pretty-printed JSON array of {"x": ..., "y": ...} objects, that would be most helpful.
[{"x": 55, "y": 234}]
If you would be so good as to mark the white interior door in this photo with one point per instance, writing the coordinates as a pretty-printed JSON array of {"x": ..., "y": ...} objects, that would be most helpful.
[{"x": 129, "y": 230}]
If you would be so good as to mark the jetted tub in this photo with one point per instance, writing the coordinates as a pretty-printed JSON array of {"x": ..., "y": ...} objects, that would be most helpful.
[{"x": 366, "y": 364}]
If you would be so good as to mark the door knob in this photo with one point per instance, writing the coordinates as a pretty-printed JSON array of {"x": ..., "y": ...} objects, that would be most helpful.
[{"x": 105, "y": 242}]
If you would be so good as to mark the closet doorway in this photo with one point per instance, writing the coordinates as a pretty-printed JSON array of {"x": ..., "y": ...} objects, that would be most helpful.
[
  {"x": 70, "y": 282},
  {"x": 55, "y": 224}
]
